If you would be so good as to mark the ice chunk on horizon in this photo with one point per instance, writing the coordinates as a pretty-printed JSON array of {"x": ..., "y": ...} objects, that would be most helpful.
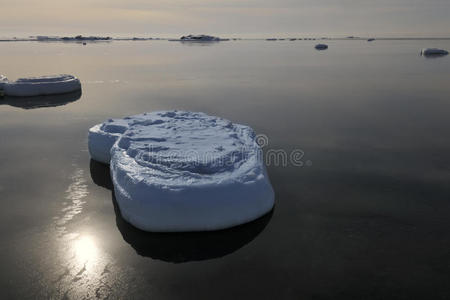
[
  {"x": 179, "y": 171},
  {"x": 198, "y": 38},
  {"x": 41, "y": 86}
]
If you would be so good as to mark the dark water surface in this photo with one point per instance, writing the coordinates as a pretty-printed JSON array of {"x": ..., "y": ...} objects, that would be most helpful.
[{"x": 370, "y": 218}]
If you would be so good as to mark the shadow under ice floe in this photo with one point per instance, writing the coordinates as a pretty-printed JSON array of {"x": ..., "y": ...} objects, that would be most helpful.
[
  {"x": 179, "y": 247},
  {"x": 41, "y": 101}
]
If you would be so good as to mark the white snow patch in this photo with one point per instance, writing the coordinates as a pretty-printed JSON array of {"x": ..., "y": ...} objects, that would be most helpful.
[
  {"x": 45, "y": 85},
  {"x": 183, "y": 171}
]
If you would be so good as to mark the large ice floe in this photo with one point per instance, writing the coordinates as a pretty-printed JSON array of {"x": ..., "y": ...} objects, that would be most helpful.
[
  {"x": 433, "y": 52},
  {"x": 41, "y": 86},
  {"x": 179, "y": 171}
]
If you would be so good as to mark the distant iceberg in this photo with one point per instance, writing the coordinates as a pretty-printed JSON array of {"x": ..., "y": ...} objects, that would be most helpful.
[
  {"x": 176, "y": 171},
  {"x": 433, "y": 52},
  {"x": 3, "y": 81},
  {"x": 40, "y": 86},
  {"x": 321, "y": 47},
  {"x": 199, "y": 38}
]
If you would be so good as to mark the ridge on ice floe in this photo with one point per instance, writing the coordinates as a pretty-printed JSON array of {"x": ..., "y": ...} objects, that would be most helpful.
[
  {"x": 433, "y": 52},
  {"x": 40, "y": 86},
  {"x": 183, "y": 171}
]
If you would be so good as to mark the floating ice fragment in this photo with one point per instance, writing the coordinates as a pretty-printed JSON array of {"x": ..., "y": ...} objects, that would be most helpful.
[
  {"x": 208, "y": 174},
  {"x": 433, "y": 52},
  {"x": 321, "y": 47}
]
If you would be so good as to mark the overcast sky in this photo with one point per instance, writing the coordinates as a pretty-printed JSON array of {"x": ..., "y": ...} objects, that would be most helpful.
[{"x": 258, "y": 18}]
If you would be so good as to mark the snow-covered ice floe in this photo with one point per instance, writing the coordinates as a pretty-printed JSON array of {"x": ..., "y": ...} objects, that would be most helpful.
[
  {"x": 40, "y": 86},
  {"x": 179, "y": 171},
  {"x": 321, "y": 47},
  {"x": 433, "y": 52}
]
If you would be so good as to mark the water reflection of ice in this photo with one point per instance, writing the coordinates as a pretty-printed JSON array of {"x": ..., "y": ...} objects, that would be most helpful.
[{"x": 41, "y": 101}]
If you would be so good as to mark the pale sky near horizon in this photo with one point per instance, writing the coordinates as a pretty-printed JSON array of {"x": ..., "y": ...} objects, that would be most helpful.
[{"x": 246, "y": 18}]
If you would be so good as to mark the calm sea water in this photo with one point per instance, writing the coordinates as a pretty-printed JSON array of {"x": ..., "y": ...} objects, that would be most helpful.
[{"x": 367, "y": 215}]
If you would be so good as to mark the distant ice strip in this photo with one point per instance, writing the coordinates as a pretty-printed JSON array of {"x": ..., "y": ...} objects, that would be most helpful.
[
  {"x": 179, "y": 171},
  {"x": 40, "y": 86}
]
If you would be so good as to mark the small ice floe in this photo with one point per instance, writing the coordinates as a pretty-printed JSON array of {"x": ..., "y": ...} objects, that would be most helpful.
[
  {"x": 40, "y": 86},
  {"x": 177, "y": 171},
  {"x": 199, "y": 38},
  {"x": 321, "y": 47},
  {"x": 433, "y": 52}
]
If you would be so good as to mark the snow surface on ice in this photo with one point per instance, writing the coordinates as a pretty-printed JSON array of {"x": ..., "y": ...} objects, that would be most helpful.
[
  {"x": 183, "y": 171},
  {"x": 45, "y": 85}
]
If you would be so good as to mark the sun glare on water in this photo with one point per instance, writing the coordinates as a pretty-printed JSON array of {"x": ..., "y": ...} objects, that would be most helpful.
[{"x": 86, "y": 249}]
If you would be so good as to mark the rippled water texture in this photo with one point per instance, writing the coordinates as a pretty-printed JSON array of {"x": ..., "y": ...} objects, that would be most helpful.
[{"x": 365, "y": 214}]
